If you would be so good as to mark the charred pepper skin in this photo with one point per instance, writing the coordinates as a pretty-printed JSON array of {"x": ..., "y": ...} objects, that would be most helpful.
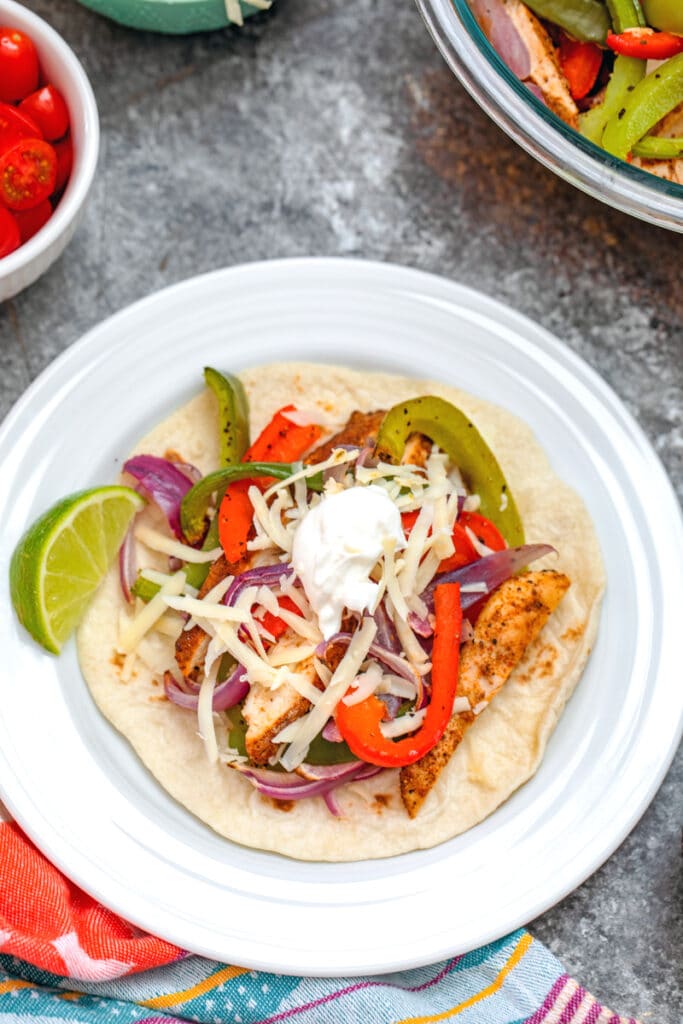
[
  {"x": 196, "y": 502},
  {"x": 456, "y": 435},
  {"x": 233, "y": 414}
]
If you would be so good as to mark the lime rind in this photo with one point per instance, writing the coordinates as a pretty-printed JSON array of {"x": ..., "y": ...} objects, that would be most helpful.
[{"x": 62, "y": 558}]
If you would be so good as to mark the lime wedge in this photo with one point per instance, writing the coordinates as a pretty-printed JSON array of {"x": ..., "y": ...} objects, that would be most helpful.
[{"x": 61, "y": 560}]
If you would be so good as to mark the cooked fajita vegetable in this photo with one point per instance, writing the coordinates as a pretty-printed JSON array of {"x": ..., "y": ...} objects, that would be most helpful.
[{"x": 610, "y": 69}]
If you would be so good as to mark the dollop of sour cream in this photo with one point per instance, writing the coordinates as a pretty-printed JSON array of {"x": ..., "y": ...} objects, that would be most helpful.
[{"x": 337, "y": 544}]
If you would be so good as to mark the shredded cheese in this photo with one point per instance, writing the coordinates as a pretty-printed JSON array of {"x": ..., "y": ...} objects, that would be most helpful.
[
  {"x": 364, "y": 685},
  {"x": 403, "y": 725},
  {"x": 205, "y": 720},
  {"x": 415, "y": 549},
  {"x": 339, "y": 457},
  {"x": 133, "y": 632},
  {"x": 301, "y": 733},
  {"x": 168, "y": 546},
  {"x": 391, "y": 579},
  {"x": 481, "y": 549},
  {"x": 202, "y": 610}
]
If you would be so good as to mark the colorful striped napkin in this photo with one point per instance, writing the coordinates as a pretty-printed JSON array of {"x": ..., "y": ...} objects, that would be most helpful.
[{"x": 66, "y": 958}]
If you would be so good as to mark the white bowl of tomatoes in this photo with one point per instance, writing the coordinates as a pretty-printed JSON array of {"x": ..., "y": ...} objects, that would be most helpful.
[{"x": 49, "y": 144}]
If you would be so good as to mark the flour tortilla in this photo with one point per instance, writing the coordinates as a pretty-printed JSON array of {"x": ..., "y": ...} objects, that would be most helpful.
[{"x": 500, "y": 751}]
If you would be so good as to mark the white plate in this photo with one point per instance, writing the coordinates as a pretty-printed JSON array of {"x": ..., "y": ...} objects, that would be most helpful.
[{"x": 82, "y": 795}]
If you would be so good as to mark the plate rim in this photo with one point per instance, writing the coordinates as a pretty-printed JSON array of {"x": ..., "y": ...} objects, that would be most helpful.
[{"x": 513, "y": 320}]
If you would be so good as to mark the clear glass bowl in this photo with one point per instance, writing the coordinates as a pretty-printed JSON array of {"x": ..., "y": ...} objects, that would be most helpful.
[{"x": 540, "y": 132}]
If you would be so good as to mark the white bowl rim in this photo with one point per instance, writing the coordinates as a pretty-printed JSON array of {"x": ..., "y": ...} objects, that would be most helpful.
[{"x": 84, "y": 169}]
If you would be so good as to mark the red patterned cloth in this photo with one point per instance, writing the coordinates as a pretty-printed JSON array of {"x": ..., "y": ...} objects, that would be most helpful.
[{"x": 48, "y": 921}]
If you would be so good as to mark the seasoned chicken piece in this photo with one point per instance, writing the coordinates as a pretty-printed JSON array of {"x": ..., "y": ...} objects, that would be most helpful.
[
  {"x": 545, "y": 71},
  {"x": 417, "y": 450},
  {"x": 360, "y": 430},
  {"x": 192, "y": 644},
  {"x": 510, "y": 620},
  {"x": 670, "y": 170},
  {"x": 267, "y": 712}
]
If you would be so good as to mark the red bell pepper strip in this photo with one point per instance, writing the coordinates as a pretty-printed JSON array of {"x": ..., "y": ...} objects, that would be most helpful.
[
  {"x": 581, "y": 63},
  {"x": 275, "y": 625},
  {"x": 465, "y": 552},
  {"x": 280, "y": 441},
  {"x": 483, "y": 529},
  {"x": 645, "y": 43},
  {"x": 359, "y": 724}
]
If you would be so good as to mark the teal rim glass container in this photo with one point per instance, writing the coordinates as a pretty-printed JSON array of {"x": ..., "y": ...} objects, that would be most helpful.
[{"x": 541, "y": 133}]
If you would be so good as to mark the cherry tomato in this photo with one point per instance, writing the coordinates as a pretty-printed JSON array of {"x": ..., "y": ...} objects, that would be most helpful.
[
  {"x": 28, "y": 173},
  {"x": 15, "y": 126},
  {"x": 49, "y": 111},
  {"x": 483, "y": 529},
  {"x": 10, "y": 238},
  {"x": 65, "y": 159},
  {"x": 19, "y": 69},
  {"x": 31, "y": 221}
]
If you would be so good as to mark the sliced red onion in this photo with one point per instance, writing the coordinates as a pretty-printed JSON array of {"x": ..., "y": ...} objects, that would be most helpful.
[
  {"x": 332, "y": 805},
  {"x": 191, "y": 472},
  {"x": 289, "y": 786},
  {"x": 392, "y": 704},
  {"x": 386, "y": 635},
  {"x": 491, "y": 570},
  {"x": 367, "y": 771},
  {"x": 163, "y": 483},
  {"x": 500, "y": 30},
  {"x": 393, "y": 661},
  {"x": 331, "y": 732},
  {"x": 422, "y": 627},
  {"x": 538, "y": 93},
  {"x": 226, "y": 695},
  {"x": 466, "y": 631},
  {"x": 365, "y": 459},
  {"x": 263, "y": 576},
  {"x": 328, "y": 772},
  {"x": 127, "y": 565}
]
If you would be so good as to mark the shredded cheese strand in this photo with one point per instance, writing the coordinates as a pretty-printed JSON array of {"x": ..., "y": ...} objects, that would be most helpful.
[
  {"x": 133, "y": 632},
  {"x": 168, "y": 546},
  {"x": 301, "y": 733}
]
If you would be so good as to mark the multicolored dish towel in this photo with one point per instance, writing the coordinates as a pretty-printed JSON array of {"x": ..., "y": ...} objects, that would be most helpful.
[{"x": 66, "y": 958}]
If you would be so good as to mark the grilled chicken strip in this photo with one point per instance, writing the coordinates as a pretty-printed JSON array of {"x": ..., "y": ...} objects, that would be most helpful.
[
  {"x": 267, "y": 711},
  {"x": 360, "y": 430},
  {"x": 191, "y": 645},
  {"x": 511, "y": 619},
  {"x": 539, "y": 66}
]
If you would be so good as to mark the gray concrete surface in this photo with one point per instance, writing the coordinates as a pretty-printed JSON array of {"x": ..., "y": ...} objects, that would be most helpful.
[{"x": 332, "y": 127}]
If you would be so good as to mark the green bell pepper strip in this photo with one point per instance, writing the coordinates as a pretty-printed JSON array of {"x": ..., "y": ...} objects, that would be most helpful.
[
  {"x": 626, "y": 74},
  {"x": 456, "y": 435},
  {"x": 651, "y": 100},
  {"x": 654, "y": 148},
  {"x": 233, "y": 414},
  {"x": 233, "y": 420},
  {"x": 196, "y": 572},
  {"x": 320, "y": 752},
  {"x": 626, "y": 14},
  {"x": 144, "y": 588},
  {"x": 664, "y": 14},
  {"x": 586, "y": 20},
  {"x": 195, "y": 504}
]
